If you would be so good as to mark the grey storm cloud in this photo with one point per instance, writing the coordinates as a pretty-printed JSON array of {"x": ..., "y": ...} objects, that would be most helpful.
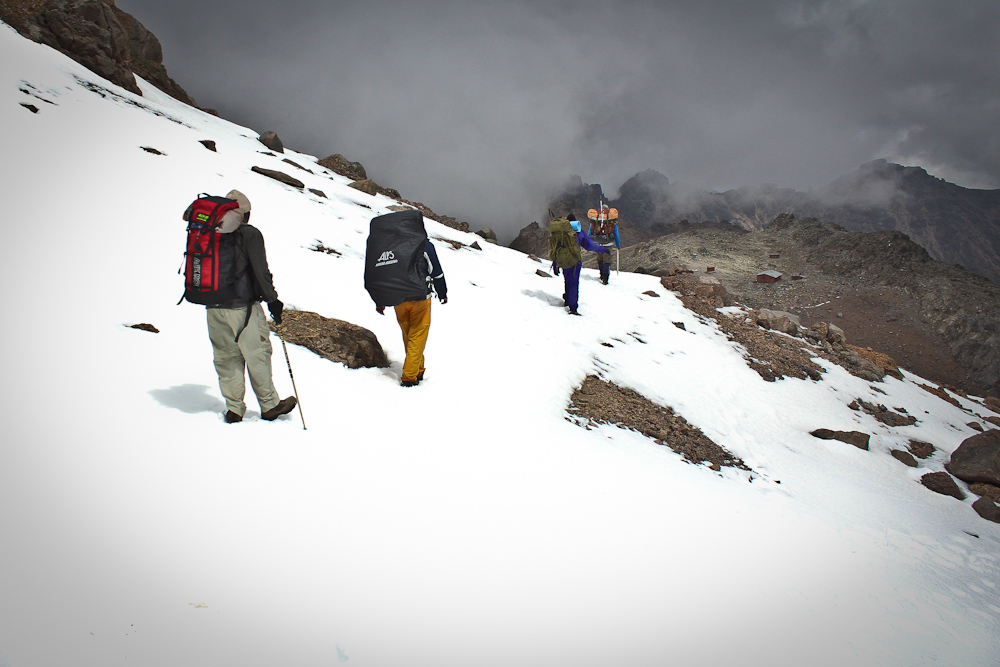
[{"x": 482, "y": 110}]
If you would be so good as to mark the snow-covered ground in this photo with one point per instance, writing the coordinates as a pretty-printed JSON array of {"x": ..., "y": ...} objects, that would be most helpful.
[{"x": 463, "y": 522}]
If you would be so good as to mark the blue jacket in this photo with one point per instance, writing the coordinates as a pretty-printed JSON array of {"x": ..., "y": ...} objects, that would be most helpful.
[{"x": 618, "y": 240}]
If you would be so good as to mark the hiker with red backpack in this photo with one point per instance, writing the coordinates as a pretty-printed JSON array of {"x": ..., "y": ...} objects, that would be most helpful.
[
  {"x": 604, "y": 230},
  {"x": 565, "y": 241},
  {"x": 226, "y": 271}
]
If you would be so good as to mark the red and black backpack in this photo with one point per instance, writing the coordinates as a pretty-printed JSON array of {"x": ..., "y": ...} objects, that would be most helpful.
[{"x": 210, "y": 277}]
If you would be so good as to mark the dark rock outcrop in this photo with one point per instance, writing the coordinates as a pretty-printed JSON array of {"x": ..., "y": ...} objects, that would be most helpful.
[
  {"x": 99, "y": 36},
  {"x": 338, "y": 164},
  {"x": 942, "y": 482},
  {"x": 532, "y": 240},
  {"x": 904, "y": 457},
  {"x": 279, "y": 176},
  {"x": 977, "y": 459},
  {"x": 884, "y": 291},
  {"x": 272, "y": 141},
  {"x": 336, "y": 340},
  {"x": 987, "y": 509},
  {"x": 856, "y": 438}
]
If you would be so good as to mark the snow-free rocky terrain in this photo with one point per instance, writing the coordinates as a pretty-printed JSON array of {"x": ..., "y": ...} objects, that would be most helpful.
[{"x": 476, "y": 519}]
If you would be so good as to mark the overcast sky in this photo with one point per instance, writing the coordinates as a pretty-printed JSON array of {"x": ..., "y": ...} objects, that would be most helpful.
[{"x": 482, "y": 108}]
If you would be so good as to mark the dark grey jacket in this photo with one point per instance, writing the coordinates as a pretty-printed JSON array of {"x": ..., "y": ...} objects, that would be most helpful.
[{"x": 255, "y": 282}]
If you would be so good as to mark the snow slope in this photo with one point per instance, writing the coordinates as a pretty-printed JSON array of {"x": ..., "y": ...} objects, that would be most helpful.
[{"x": 463, "y": 522}]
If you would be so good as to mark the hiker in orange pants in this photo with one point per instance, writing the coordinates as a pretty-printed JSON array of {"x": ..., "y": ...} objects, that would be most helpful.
[{"x": 414, "y": 317}]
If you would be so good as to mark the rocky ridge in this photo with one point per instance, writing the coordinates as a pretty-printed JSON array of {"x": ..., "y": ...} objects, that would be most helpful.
[
  {"x": 99, "y": 36},
  {"x": 883, "y": 290},
  {"x": 954, "y": 224}
]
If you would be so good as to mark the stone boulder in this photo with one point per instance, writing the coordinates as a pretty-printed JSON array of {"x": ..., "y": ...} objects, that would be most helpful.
[
  {"x": 532, "y": 240},
  {"x": 279, "y": 176},
  {"x": 942, "y": 482},
  {"x": 368, "y": 186},
  {"x": 977, "y": 459},
  {"x": 856, "y": 438},
  {"x": 487, "y": 234},
  {"x": 987, "y": 509},
  {"x": 697, "y": 290},
  {"x": 338, "y": 164},
  {"x": 778, "y": 320},
  {"x": 99, "y": 36},
  {"x": 272, "y": 141},
  {"x": 336, "y": 340}
]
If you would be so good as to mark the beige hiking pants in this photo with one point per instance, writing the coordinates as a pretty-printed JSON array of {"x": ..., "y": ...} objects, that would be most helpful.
[{"x": 252, "y": 354}]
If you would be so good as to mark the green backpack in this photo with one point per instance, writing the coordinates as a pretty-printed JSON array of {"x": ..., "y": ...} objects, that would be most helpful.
[{"x": 562, "y": 244}]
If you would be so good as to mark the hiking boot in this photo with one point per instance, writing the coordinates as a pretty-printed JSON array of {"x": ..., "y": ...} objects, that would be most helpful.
[
  {"x": 573, "y": 312},
  {"x": 409, "y": 383},
  {"x": 283, "y": 407},
  {"x": 232, "y": 417},
  {"x": 420, "y": 376}
]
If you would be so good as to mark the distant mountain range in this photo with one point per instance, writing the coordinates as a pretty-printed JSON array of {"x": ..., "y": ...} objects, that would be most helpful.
[{"x": 954, "y": 224}]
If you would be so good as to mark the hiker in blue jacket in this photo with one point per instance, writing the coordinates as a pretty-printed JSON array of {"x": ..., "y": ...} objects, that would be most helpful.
[
  {"x": 604, "y": 230},
  {"x": 571, "y": 275}
]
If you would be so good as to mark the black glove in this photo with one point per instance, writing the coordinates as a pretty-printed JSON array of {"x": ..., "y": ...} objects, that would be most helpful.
[
  {"x": 443, "y": 299},
  {"x": 276, "y": 307}
]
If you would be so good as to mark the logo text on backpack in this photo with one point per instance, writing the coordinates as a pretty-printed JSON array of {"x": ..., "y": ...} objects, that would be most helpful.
[{"x": 386, "y": 258}]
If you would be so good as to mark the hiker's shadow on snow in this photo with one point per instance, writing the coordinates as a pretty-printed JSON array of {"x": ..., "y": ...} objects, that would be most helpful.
[
  {"x": 544, "y": 296},
  {"x": 189, "y": 398}
]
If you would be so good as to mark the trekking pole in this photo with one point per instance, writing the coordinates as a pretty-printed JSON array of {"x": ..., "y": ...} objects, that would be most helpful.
[
  {"x": 291, "y": 375},
  {"x": 618, "y": 261}
]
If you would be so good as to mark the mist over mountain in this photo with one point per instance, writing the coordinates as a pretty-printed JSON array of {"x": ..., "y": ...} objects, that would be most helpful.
[{"x": 954, "y": 224}]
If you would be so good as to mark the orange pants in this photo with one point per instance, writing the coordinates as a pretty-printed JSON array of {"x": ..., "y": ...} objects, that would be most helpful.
[{"x": 414, "y": 319}]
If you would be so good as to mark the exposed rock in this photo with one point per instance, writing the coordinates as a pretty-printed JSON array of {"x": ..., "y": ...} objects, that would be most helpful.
[
  {"x": 144, "y": 327},
  {"x": 986, "y": 491},
  {"x": 297, "y": 165},
  {"x": 987, "y": 509},
  {"x": 942, "y": 482},
  {"x": 706, "y": 291},
  {"x": 859, "y": 366},
  {"x": 931, "y": 318},
  {"x": 600, "y": 402},
  {"x": 883, "y": 414},
  {"x": 778, "y": 320},
  {"x": 487, "y": 234},
  {"x": 856, "y": 438},
  {"x": 543, "y": 274},
  {"x": 336, "y": 340},
  {"x": 209, "y": 144},
  {"x": 279, "y": 176},
  {"x": 921, "y": 449},
  {"x": 272, "y": 141},
  {"x": 835, "y": 334},
  {"x": 532, "y": 240},
  {"x": 878, "y": 359},
  {"x": 367, "y": 186},
  {"x": 977, "y": 459},
  {"x": 99, "y": 36},
  {"x": 904, "y": 457},
  {"x": 338, "y": 164}
]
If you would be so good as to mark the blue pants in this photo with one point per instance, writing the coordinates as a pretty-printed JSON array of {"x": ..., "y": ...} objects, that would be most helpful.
[{"x": 571, "y": 279}]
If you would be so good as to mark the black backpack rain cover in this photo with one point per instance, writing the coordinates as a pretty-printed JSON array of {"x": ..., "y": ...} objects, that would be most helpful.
[{"x": 393, "y": 267}]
